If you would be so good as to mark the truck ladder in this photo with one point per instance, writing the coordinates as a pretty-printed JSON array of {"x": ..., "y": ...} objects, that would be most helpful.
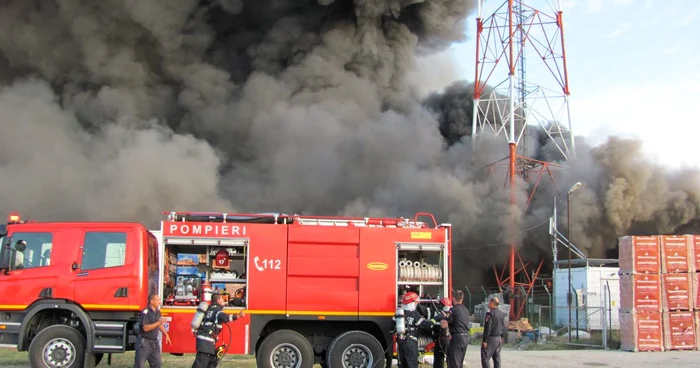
[
  {"x": 279, "y": 218},
  {"x": 366, "y": 222}
]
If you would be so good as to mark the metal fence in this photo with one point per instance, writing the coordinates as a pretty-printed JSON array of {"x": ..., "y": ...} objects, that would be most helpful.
[{"x": 589, "y": 325}]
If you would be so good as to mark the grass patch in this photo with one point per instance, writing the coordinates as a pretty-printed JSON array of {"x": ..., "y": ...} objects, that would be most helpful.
[
  {"x": 12, "y": 357},
  {"x": 9, "y": 356}
]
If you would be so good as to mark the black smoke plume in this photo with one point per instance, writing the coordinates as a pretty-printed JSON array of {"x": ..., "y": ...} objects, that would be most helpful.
[
  {"x": 623, "y": 192},
  {"x": 118, "y": 110}
]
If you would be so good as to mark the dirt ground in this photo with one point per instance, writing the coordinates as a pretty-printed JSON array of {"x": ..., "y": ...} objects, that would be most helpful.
[{"x": 510, "y": 358}]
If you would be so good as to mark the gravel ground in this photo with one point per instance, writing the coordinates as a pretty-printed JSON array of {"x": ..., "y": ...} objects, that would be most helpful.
[{"x": 588, "y": 358}]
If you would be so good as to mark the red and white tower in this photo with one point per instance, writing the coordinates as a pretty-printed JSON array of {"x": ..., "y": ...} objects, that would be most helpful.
[{"x": 507, "y": 99}]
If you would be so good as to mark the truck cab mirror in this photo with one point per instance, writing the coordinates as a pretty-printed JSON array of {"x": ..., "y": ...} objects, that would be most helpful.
[
  {"x": 74, "y": 266},
  {"x": 5, "y": 258}
]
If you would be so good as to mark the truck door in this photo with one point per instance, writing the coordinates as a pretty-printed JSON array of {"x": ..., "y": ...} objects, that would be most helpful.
[
  {"x": 32, "y": 273},
  {"x": 106, "y": 274}
]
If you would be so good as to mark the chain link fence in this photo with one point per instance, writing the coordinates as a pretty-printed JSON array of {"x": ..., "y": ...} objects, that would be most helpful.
[{"x": 589, "y": 326}]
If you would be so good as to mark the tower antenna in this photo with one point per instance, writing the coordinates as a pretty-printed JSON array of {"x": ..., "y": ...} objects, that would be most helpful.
[{"x": 509, "y": 103}]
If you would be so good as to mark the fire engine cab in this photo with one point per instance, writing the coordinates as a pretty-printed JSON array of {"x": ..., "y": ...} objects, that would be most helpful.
[
  {"x": 71, "y": 291},
  {"x": 315, "y": 289}
]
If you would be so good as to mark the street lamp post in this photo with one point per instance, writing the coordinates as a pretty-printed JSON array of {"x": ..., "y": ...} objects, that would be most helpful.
[{"x": 569, "y": 296}]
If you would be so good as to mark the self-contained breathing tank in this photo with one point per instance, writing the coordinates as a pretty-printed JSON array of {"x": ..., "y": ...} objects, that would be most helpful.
[
  {"x": 199, "y": 316},
  {"x": 400, "y": 321}
]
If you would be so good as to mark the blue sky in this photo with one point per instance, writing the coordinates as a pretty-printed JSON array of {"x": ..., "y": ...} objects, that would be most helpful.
[{"x": 632, "y": 69}]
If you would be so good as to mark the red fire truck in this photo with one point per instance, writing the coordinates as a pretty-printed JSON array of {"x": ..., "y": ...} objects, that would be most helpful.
[{"x": 315, "y": 290}]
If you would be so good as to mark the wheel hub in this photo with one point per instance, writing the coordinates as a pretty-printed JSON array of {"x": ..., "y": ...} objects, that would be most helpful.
[
  {"x": 286, "y": 356},
  {"x": 59, "y": 353},
  {"x": 357, "y": 356}
]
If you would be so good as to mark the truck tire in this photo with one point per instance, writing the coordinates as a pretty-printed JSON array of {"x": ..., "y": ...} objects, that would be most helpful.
[
  {"x": 57, "y": 346},
  {"x": 285, "y": 348},
  {"x": 355, "y": 349}
]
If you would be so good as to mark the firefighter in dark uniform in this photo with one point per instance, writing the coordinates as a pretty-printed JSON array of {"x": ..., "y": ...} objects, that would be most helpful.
[
  {"x": 458, "y": 321},
  {"x": 208, "y": 332},
  {"x": 416, "y": 325},
  {"x": 150, "y": 322},
  {"x": 441, "y": 333},
  {"x": 494, "y": 330}
]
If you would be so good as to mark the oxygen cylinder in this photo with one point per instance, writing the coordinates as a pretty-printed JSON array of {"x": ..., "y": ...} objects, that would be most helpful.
[
  {"x": 400, "y": 321},
  {"x": 199, "y": 316}
]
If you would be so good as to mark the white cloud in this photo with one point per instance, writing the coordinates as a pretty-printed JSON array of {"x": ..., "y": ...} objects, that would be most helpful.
[
  {"x": 622, "y": 2},
  {"x": 595, "y": 6},
  {"x": 689, "y": 18},
  {"x": 658, "y": 114},
  {"x": 620, "y": 30}
]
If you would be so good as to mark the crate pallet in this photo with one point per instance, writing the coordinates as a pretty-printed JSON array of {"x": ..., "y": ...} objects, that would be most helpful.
[
  {"x": 639, "y": 254},
  {"x": 641, "y": 331},
  {"x": 676, "y": 251},
  {"x": 680, "y": 331},
  {"x": 659, "y": 290},
  {"x": 641, "y": 292},
  {"x": 678, "y": 291},
  {"x": 520, "y": 325}
]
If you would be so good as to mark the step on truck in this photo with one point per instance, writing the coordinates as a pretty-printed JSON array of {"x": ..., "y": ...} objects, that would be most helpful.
[{"x": 315, "y": 289}]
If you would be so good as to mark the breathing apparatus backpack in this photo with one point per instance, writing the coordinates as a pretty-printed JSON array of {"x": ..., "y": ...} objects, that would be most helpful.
[{"x": 198, "y": 317}]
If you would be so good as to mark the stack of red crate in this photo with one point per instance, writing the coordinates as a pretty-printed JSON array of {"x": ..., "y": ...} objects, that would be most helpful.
[
  {"x": 679, "y": 285},
  {"x": 695, "y": 297},
  {"x": 659, "y": 301},
  {"x": 640, "y": 294}
]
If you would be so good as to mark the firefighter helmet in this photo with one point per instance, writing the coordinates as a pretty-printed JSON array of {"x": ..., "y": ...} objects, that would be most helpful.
[
  {"x": 409, "y": 301},
  {"x": 409, "y": 297},
  {"x": 446, "y": 304},
  {"x": 21, "y": 245}
]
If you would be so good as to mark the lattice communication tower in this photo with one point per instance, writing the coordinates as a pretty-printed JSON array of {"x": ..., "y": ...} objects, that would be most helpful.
[{"x": 507, "y": 100}]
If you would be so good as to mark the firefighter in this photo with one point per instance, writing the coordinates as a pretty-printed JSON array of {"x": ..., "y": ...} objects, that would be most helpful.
[
  {"x": 494, "y": 329},
  {"x": 20, "y": 246},
  {"x": 458, "y": 321},
  {"x": 441, "y": 333},
  {"x": 147, "y": 347},
  {"x": 416, "y": 325},
  {"x": 208, "y": 333}
]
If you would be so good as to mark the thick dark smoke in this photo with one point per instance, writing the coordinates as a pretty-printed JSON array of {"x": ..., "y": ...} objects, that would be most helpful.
[
  {"x": 623, "y": 191},
  {"x": 118, "y": 110}
]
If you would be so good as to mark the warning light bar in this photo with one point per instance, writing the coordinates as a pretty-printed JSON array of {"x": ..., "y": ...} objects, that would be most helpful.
[{"x": 13, "y": 218}]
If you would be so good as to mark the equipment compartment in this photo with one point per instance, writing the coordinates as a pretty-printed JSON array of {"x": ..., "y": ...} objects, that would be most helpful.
[
  {"x": 421, "y": 268},
  {"x": 191, "y": 268}
]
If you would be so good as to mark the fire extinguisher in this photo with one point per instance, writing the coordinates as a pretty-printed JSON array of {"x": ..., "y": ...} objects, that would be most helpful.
[{"x": 206, "y": 291}]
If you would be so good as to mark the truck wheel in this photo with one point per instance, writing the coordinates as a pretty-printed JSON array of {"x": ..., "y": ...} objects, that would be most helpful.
[
  {"x": 57, "y": 346},
  {"x": 285, "y": 349},
  {"x": 355, "y": 349}
]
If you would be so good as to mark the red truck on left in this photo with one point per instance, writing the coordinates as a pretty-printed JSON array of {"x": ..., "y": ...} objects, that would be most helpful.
[{"x": 53, "y": 302}]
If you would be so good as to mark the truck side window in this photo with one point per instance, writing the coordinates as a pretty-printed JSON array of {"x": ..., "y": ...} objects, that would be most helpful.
[
  {"x": 30, "y": 250},
  {"x": 103, "y": 250}
]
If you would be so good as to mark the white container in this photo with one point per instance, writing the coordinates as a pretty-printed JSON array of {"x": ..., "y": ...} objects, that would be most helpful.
[{"x": 589, "y": 283}]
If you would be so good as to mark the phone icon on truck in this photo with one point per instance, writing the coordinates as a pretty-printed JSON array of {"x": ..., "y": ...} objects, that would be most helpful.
[
  {"x": 255, "y": 260},
  {"x": 267, "y": 264}
]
